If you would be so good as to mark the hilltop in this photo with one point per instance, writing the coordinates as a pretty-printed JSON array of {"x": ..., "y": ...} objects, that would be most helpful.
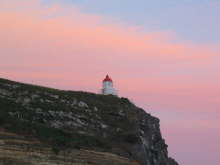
[{"x": 40, "y": 125}]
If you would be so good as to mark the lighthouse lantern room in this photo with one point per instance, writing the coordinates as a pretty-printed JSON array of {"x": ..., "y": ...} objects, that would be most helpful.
[{"x": 107, "y": 87}]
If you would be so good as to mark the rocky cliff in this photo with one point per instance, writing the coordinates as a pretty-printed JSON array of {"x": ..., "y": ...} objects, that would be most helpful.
[{"x": 41, "y": 125}]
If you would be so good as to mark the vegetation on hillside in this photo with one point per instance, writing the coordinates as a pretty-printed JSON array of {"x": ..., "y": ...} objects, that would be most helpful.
[{"x": 23, "y": 121}]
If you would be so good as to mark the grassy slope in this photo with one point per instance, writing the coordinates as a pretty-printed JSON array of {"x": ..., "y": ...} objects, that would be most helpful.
[{"x": 57, "y": 138}]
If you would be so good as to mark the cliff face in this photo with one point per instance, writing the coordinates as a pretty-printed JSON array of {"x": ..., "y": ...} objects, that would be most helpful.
[{"x": 83, "y": 123}]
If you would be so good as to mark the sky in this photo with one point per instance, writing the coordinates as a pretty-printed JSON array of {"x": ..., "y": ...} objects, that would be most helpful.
[{"x": 163, "y": 55}]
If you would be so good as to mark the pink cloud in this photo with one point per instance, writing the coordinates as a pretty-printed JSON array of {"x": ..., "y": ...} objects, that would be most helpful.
[
  {"x": 198, "y": 142},
  {"x": 62, "y": 47},
  {"x": 85, "y": 46}
]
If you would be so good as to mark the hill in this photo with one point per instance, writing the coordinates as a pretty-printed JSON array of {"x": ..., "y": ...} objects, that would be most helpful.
[{"x": 40, "y": 125}]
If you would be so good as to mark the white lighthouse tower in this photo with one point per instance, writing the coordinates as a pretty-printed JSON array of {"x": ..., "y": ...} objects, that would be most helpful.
[{"x": 107, "y": 87}]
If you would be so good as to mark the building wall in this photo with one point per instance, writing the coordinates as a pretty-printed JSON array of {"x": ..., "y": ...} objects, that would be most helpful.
[{"x": 108, "y": 88}]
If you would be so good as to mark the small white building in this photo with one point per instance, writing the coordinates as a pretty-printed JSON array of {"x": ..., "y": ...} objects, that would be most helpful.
[{"x": 107, "y": 87}]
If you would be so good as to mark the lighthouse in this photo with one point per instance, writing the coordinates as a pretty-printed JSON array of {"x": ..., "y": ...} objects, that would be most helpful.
[{"x": 107, "y": 87}]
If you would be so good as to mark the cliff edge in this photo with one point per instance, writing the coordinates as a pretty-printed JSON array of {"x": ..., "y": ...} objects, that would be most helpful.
[{"x": 40, "y": 125}]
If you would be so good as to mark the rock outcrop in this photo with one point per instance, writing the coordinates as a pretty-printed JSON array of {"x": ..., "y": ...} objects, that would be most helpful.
[{"x": 102, "y": 130}]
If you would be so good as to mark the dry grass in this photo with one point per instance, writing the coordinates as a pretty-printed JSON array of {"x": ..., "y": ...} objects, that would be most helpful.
[
  {"x": 13, "y": 161},
  {"x": 18, "y": 150}
]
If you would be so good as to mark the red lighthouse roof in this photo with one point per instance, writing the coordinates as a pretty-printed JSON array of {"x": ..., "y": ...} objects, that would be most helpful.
[{"x": 107, "y": 78}]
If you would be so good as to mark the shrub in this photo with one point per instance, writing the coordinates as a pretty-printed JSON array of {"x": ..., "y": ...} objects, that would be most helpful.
[{"x": 56, "y": 150}]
